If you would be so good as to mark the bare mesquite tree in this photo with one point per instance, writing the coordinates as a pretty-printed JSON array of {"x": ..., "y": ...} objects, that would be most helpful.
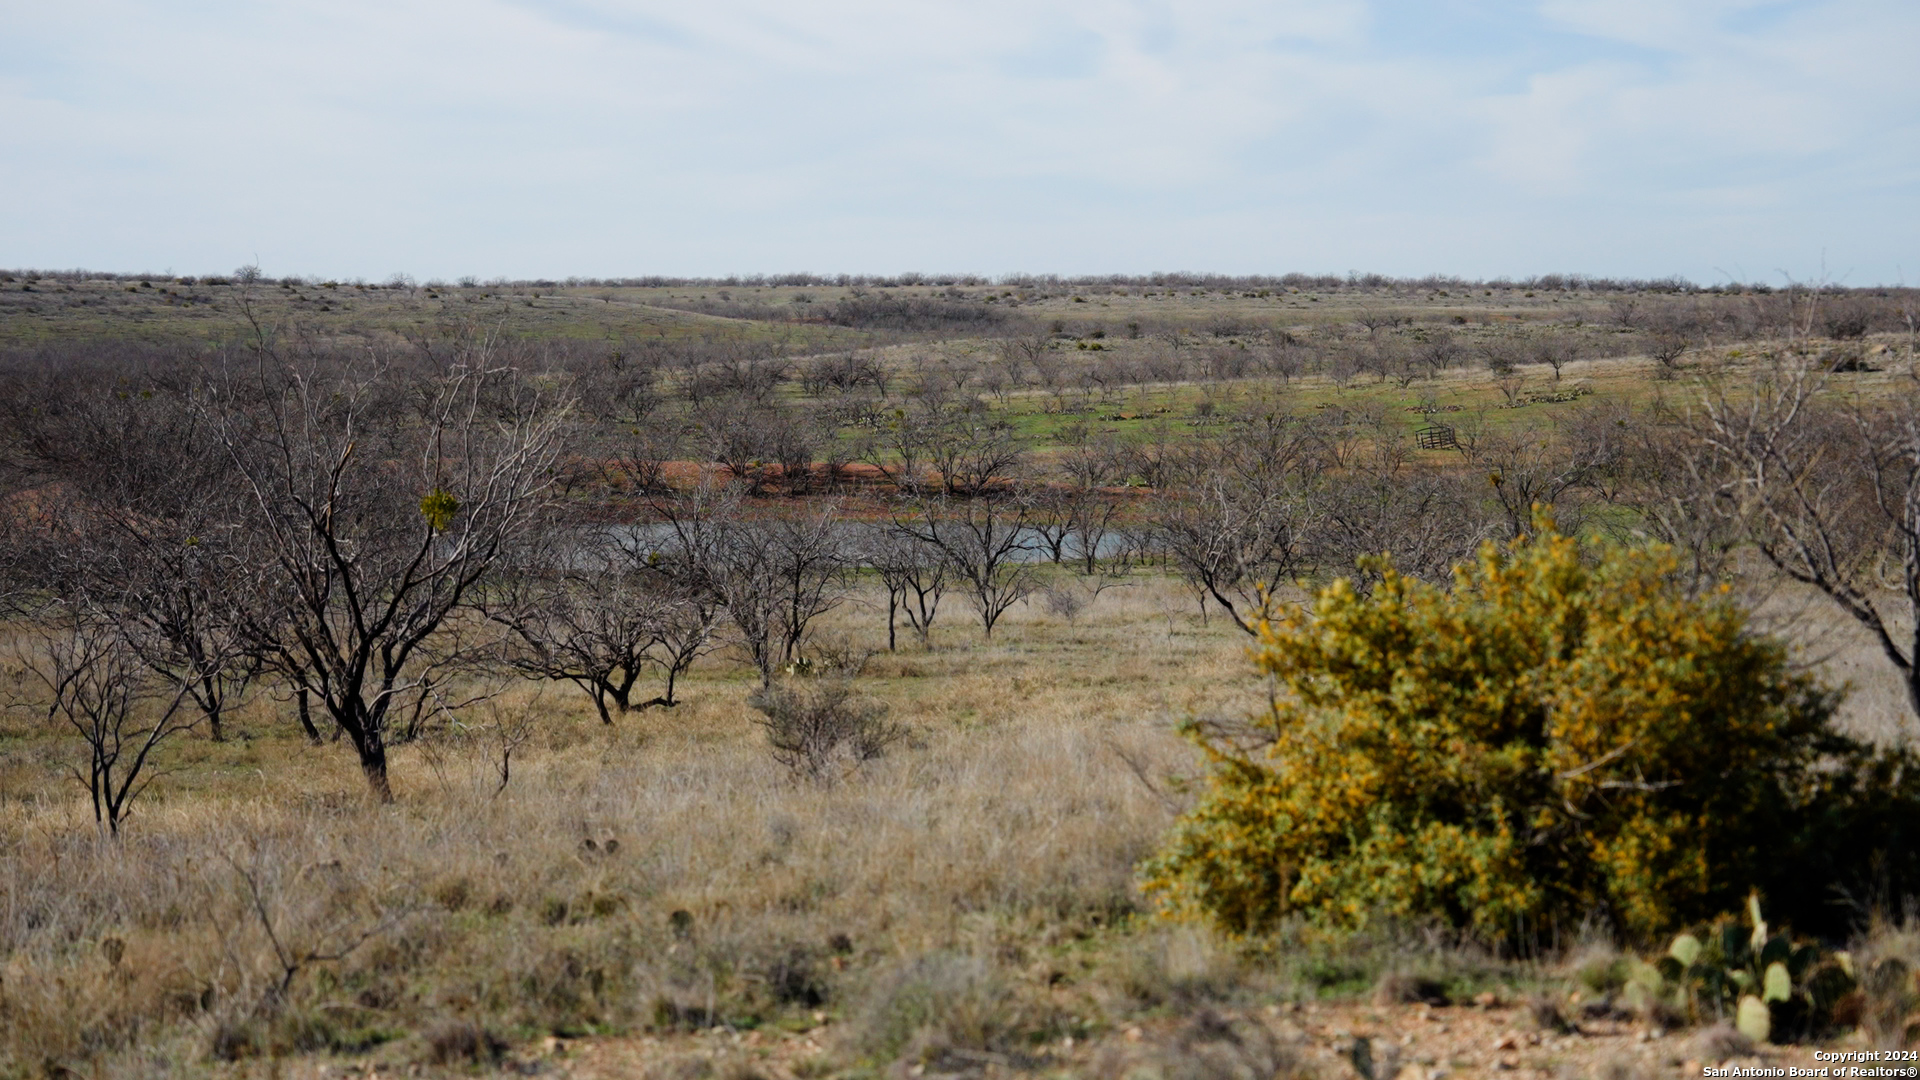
[
  {"x": 915, "y": 575},
  {"x": 738, "y": 432},
  {"x": 942, "y": 438},
  {"x": 844, "y": 374},
  {"x": 1424, "y": 520},
  {"x": 1233, "y": 541},
  {"x": 903, "y": 443},
  {"x": 1051, "y": 522},
  {"x": 618, "y": 388},
  {"x": 808, "y": 559},
  {"x": 1163, "y": 461},
  {"x": 100, "y": 688},
  {"x": 688, "y": 630},
  {"x": 369, "y": 528},
  {"x": 1090, "y": 460},
  {"x": 1670, "y": 334},
  {"x": 640, "y": 455},
  {"x": 1529, "y": 465},
  {"x": 180, "y": 614},
  {"x": 1024, "y": 353},
  {"x": 1556, "y": 352},
  {"x": 1094, "y": 523},
  {"x": 1649, "y": 462},
  {"x": 665, "y": 605},
  {"x": 896, "y": 446},
  {"x": 763, "y": 443},
  {"x": 1079, "y": 518},
  {"x": 16, "y": 593},
  {"x": 772, "y": 576},
  {"x": 575, "y": 609},
  {"x": 972, "y": 450},
  {"x": 986, "y": 543},
  {"x": 1440, "y": 351},
  {"x": 1831, "y": 495},
  {"x": 1245, "y": 523}
]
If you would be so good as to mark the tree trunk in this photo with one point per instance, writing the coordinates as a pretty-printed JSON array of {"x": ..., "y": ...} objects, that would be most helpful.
[
  {"x": 373, "y": 762},
  {"x": 306, "y": 720},
  {"x": 622, "y": 691},
  {"x": 210, "y": 706},
  {"x": 369, "y": 742}
]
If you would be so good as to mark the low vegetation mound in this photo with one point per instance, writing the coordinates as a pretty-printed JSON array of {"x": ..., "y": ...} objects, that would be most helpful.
[{"x": 1554, "y": 738}]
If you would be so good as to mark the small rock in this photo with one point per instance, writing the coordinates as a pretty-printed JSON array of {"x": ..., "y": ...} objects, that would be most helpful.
[
  {"x": 1507, "y": 1042},
  {"x": 1133, "y": 1034},
  {"x": 1486, "y": 1000}
]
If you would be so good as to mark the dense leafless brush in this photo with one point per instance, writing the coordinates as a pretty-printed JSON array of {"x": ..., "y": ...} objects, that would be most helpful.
[
  {"x": 821, "y": 730},
  {"x": 772, "y": 577}
]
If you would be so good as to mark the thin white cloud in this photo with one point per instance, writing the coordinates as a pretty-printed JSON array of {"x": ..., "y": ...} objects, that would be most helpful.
[{"x": 1677, "y": 25}]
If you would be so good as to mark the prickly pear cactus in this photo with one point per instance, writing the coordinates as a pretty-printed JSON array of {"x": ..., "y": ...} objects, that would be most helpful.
[
  {"x": 1771, "y": 988},
  {"x": 1754, "y": 1019}
]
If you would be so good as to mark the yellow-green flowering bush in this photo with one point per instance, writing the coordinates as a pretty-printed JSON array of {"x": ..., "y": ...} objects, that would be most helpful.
[{"x": 1555, "y": 737}]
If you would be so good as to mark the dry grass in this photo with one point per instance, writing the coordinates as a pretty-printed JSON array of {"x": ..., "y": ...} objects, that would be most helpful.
[
  {"x": 1843, "y": 653},
  {"x": 1010, "y": 826},
  {"x": 966, "y": 898}
]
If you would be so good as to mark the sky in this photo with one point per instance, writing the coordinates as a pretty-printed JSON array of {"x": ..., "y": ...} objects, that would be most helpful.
[{"x": 1745, "y": 140}]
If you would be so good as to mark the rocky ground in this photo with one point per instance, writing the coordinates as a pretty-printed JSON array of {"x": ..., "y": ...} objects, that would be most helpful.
[{"x": 1338, "y": 1041}]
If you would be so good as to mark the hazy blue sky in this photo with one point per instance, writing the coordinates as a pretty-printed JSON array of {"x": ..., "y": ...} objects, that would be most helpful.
[{"x": 1709, "y": 138}]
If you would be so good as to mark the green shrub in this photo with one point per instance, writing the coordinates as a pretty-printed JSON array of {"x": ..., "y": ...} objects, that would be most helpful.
[{"x": 1553, "y": 738}]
